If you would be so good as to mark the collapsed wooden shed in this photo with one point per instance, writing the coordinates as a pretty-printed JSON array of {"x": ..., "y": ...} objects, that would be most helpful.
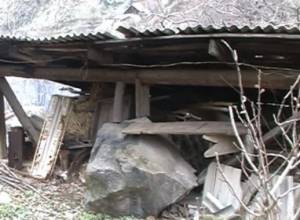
[
  {"x": 157, "y": 72},
  {"x": 183, "y": 81}
]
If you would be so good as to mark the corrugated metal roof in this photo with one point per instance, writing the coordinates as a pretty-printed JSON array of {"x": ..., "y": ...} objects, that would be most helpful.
[
  {"x": 133, "y": 33},
  {"x": 62, "y": 39}
]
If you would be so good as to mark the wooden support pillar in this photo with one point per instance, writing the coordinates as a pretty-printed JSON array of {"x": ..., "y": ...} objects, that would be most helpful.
[
  {"x": 3, "y": 144},
  {"x": 118, "y": 105},
  {"x": 18, "y": 110},
  {"x": 142, "y": 99},
  {"x": 16, "y": 147}
]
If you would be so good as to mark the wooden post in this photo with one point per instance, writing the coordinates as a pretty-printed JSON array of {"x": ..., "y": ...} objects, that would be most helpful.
[
  {"x": 3, "y": 145},
  {"x": 118, "y": 105},
  {"x": 18, "y": 110},
  {"x": 142, "y": 99},
  {"x": 16, "y": 147}
]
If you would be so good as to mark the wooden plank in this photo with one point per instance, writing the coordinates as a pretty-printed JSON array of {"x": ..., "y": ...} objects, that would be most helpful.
[
  {"x": 285, "y": 207},
  {"x": 55, "y": 123},
  {"x": 118, "y": 105},
  {"x": 18, "y": 110},
  {"x": 212, "y": 203},
  {"x": 270, "y": 135},
  {"x": 188, "y": 128},
  {"x": 224, "y": 145},
  {"x": 216, "y": 185},
  {"x": 3, "y": 144},
  {"x": 142, "y": 99},
  {"x": 273, "y": 79},
  {"x": 286, "y": 203},
  {"x": 250, "y": 188}
]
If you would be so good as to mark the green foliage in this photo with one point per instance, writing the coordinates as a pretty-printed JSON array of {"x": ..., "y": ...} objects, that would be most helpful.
[
  {"x": 8, "y": 211},
  {"x": 29, "y": 193}
]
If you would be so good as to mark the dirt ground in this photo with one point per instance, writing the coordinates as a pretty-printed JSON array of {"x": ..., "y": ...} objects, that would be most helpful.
[{"x": 54, "y": 199}]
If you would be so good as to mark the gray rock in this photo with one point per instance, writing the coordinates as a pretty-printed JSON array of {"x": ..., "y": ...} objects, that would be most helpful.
[{"x": 135, "y": 175}]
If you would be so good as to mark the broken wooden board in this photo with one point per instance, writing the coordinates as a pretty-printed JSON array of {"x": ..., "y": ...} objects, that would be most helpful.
[
  {"x": 188, "y": 128},
  {"x": 51, "y": 136},
  {"x": 216, "y": 185},
  {"x": 271, "y": 134},
  {"x": 249, "y": 188},
  {"x": 286, "y": 203},
  {"x": 284, "y": 210},
  {"x": 224, "y": 145}
]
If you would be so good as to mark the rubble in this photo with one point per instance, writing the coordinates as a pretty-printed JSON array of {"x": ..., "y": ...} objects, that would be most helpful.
[{"x": 135, "y": 175}]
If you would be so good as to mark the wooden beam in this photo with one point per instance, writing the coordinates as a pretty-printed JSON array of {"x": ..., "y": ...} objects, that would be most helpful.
[
  {"x": 186, "y": 128},
  {"x": 18, "y": 110},
  {"x": 102, "y": 57},
  {"x": 3, "y": 144},
  {"x": 219, "y": 51},
  {"x": 118, "y": 105},
  {"x": 271, "y": 134},
  {"x": 165, "y": 76},
  {"x": 171, "y": 76},
  {"x": 142, "y": 99},
  {"x": 16, "y": 147},
  {"x": 171, "y": 39}
]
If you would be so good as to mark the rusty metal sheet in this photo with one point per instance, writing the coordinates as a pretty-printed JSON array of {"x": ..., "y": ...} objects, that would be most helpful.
[{"x": 51, "y": 136}]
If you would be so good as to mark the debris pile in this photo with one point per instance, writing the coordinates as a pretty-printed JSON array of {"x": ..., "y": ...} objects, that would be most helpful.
[{"x": 9, "y": 177}]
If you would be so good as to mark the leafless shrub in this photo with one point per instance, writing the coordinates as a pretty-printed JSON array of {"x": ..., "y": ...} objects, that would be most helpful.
[{"x": 256, "y": 157}]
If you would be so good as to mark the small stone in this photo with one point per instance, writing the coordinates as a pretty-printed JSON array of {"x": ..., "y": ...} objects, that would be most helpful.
[{"x": 5, "y": 198}]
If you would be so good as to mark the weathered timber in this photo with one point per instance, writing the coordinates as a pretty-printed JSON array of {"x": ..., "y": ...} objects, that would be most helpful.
[
  {"x": 270, "y": 135},
  {"x": 224, "y": 144},
  {"x": 105, "y": 111},
  {"x": 284, "y": 195},
  {"x": 18, "y": 110},
  {"x": 196, "y": 37},
  {"x": 249, "y": 188},
  {"x": 219, "y": 50},
  {"x": 3, "y": 144},
  {"x": 51, "y": 136},
  {"x": 286, "y": 203},
  {"x": 16, "y": 146},
  {"x": 216, "y": 185},
  {"x": 118, "y": 105},
  {"x": 142, "y": 99},
  {"x": 165, "y": 76},
  {"x": 187, "y": 128}
]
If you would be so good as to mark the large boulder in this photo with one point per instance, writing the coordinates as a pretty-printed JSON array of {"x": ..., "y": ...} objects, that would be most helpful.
[{"x": 135, "y": 175}]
